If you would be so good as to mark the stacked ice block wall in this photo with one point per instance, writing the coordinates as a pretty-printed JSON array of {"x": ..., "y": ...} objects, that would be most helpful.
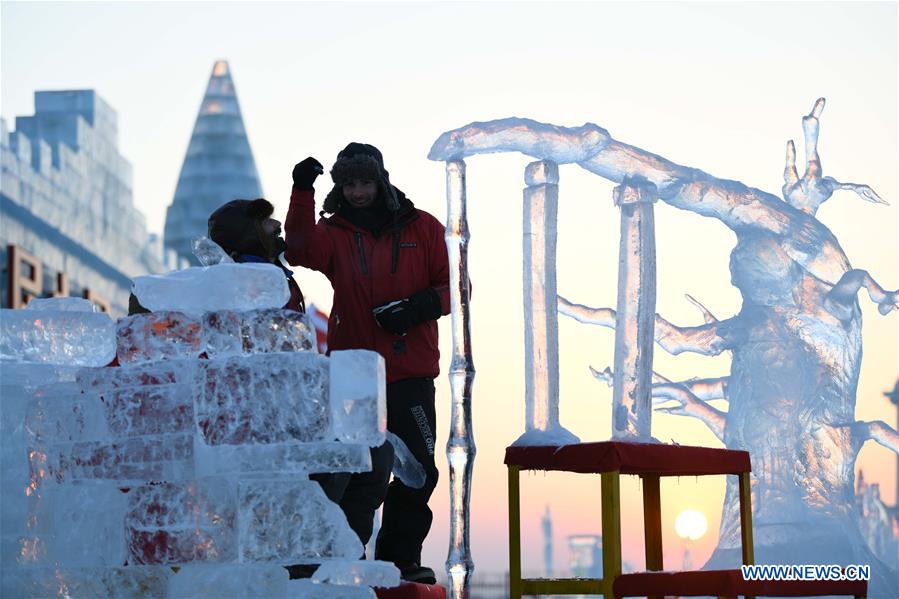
[{"x": 194, "y": 451}]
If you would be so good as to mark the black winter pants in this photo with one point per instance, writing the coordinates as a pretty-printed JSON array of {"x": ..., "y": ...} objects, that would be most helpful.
[{"x": 406, "y": 518}]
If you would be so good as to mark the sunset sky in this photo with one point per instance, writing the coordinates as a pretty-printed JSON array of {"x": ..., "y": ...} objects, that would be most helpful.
[{"x": 720, "y": 87}]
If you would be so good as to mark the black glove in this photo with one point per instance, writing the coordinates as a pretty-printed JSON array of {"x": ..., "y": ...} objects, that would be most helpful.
[
  {"x": 401, "y": 315},
  {"x": 305, "y": 172}
]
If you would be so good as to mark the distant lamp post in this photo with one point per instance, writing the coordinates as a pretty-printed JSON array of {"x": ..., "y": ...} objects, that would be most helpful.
[{"x": 690, "y": 525}]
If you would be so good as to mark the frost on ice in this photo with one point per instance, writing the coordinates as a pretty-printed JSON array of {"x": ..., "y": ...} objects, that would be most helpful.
[
  {"x": 796, "y": 342},
  {"x": 111, "y": 475}
]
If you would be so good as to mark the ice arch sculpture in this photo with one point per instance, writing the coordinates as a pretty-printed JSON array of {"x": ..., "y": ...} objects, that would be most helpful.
[{"x": 796, "y": 342}]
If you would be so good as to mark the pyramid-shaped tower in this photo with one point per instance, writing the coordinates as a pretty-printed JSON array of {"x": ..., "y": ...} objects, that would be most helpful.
[{"x": 218, "y": 167}]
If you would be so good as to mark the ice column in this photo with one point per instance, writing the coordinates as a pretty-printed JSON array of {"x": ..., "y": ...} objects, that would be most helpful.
[
  {"x": 541, "y": 318},
  {"x": 460, "y": 448},
  {"x": 635, "y": 319}
]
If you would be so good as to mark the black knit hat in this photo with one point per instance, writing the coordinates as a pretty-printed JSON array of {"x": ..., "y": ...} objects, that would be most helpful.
[
  {"x": 235, "y": 226},
  {"x": 363, "y": 162}
]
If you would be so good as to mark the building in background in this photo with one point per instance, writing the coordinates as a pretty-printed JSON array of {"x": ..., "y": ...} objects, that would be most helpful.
[
  {"x": 586, "y": 555},
  {"x": 547, "y": 525},
  {"x": 68, "y": 224},
  {"x": 217, "y": 168}
]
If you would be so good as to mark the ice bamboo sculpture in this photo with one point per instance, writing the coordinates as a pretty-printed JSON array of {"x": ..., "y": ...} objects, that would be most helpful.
[
  {"x": 635, "y": 316},
  {"x": 541, "y": 319},
  {"x": 460, "y": 448}
]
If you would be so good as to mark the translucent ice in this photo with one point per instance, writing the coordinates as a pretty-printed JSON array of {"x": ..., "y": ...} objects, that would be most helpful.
[
  {"x": 276, "y": 330},
  {"x": 161, "y": 335},
  {"x": 217, "y": 581},
  {"x": 129, "y": 461},
  {"x": 61, "y": 304},
  {"x": 110, "y": 414},
  {"x": 57, "y": 337},
  {"x": 372, "y": 573},
  {"x": 202, "y": 289},
  {"x": 281, "y": 459},
  {"x": 540, "y": 210},
  {"x": 176, "y": 523},
  {"x": 136, "y": 375},
  {"x": 77, "y": 525},
  {"x": 358, "y": 396},
  {"x": 460, "y": 448},
  {"x": 264, "y": 398},
  {"x": 132, "y": 582},
  {"x": 405, "y": 466},
  {"x": 292, "y": 522},
  {"x": 209, "y": 253},
  {"x": 257, "y": 331}
]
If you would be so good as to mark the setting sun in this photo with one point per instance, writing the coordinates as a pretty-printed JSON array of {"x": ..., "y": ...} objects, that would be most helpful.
[{"x": 690, "y": 524}]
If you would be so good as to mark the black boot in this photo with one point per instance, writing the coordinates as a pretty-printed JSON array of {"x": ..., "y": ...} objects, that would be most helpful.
[{"x": 413, "y": 572}]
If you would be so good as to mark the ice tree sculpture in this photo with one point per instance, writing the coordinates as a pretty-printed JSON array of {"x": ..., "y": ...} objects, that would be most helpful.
[{"x": 796, "y": 342}]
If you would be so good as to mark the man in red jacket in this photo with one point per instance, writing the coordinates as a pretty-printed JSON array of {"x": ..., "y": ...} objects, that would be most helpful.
[{"x": 388, "y": 265}]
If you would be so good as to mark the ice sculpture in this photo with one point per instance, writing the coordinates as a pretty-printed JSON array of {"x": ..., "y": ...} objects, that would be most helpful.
[
  {"x": 460, "y": 447},
  {"x": 541, "y": 318},
  {"x": 796, "y": 342},
  {"x": 111, "y": 475},
  {"x": 208, "y": 252},
  {"x": 200, "y": 289}
]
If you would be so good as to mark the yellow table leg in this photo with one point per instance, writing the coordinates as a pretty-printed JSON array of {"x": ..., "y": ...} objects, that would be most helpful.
[
  {"x": 746, "y": 519},
  {"x": 514, "y": 535},
  {"x": 611, "y": 531},
  {"x": 652, "y": 524}
]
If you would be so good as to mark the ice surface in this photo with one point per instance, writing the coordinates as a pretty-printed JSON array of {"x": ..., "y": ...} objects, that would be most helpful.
[
  {"x": 373, "y": 573},
  {"x": 358, "y": 396},
  {"x": 405, "y": 467},
  {"x": 306, "y": 589},
  {"x": 209, "y": 253},
  {"x": 177, "y": 523},
  {"x": 61, "y": 304},
  {"x": 136, "y": 375},
  {"x": 129, "y": 461},
  {"x": 17, "y": 391},
  {"x": 78, "y": 525},
  {"x": 132, "y": 582},
  {"x": 257, "y": 331},
  {"x": 562, "y": 145},
  {"x": 292, "y": 522},
  {"x": 218, "y": 581},
  {"x": 460, "y": 448},
  {"x": 202, "y": 289},
  {"x": 161, "y": 335},
  {"x": 113, "y": 414},
  {"x": 57, "y": 337},
  {"x": 264, "y": 398},
  {"x": 635, "y": 314},
  {"x": 541, "y": 320},
  {"x": 281, "y": 459}
]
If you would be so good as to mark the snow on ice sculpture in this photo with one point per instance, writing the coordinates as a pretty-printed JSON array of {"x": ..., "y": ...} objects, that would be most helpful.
[
  {"x": 131, "y": 456},
  {"x": 796, "y": 342}
]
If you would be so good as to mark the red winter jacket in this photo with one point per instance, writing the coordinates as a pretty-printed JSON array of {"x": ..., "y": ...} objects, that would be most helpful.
[{"x": 367, "y": 271}]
